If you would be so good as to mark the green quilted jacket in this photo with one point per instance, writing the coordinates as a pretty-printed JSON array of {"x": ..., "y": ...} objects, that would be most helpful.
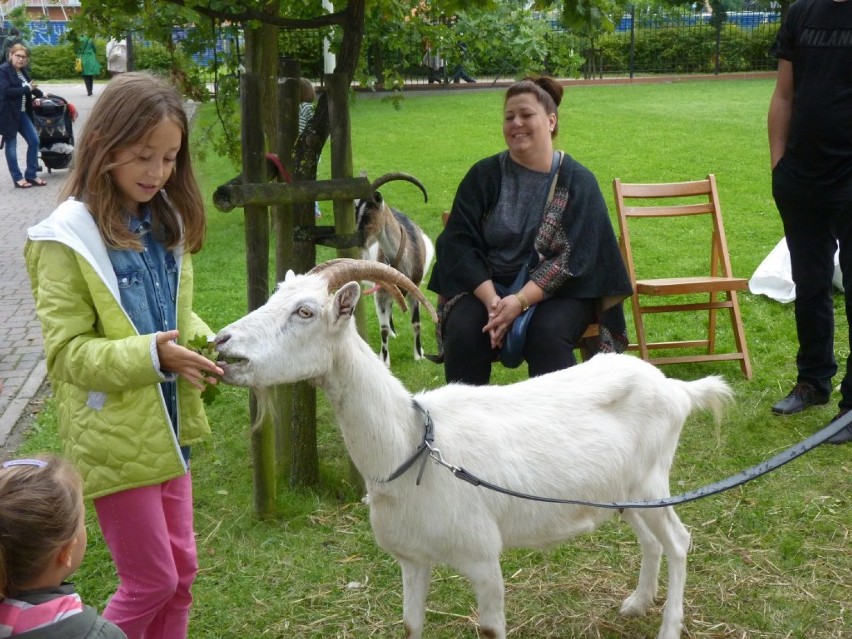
[{"x": 111, "y": 412}]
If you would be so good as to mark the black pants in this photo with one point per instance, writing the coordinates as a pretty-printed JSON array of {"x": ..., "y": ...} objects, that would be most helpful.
[
  {"x": 89, "y": 82},
  {"x": 556, "y": 326},
  {"x": 814, "y": 225},
  {"x": 461, "y": 74},
  {"x": 436, "y": 75}
]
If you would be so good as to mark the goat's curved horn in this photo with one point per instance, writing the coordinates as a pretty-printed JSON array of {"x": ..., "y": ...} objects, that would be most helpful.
[
  {"x": 339, "y": 271},
  {"x": 390, "y": 177},
  {"x": 330, "y": 268}
]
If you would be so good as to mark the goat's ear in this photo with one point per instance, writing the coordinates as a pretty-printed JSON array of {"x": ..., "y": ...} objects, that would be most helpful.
[
  {"x": 289, "y": 275},
  {"x": 345, "y": 301}
]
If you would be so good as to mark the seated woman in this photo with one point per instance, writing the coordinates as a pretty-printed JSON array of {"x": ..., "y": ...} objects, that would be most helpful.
[{"x": 527, "y": 206}]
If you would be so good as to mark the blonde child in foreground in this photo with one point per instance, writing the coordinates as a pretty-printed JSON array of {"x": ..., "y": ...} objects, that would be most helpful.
[
  {"x": 42, "y": 542},
  {"x": 111, "y": 272}
]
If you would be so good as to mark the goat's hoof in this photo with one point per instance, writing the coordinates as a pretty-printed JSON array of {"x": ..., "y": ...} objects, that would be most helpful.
[
  {"x": 672, "y": 630},
  {"x": 635, "y": 606}
]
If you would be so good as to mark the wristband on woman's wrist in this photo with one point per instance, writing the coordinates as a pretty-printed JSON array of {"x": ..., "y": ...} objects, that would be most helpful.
[{"x": 525, "y": 305}]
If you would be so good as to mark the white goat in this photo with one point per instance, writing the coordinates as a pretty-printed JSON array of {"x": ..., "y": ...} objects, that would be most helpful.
[
  {"x": 392, "y": 238},
  {"x": 605, "y": 431}
]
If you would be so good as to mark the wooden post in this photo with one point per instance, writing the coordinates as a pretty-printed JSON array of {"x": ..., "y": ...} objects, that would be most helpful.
[
  {"x": 282, "y": 224},
  {"x": 234, "y": 194},
  {"x": 298, "y": 446},
  {"x": 337, "y": 86},
  {"x": 257, "y": 266}
]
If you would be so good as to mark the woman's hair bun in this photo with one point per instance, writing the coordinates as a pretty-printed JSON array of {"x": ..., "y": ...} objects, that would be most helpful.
[{"x": 551, "y": 86}]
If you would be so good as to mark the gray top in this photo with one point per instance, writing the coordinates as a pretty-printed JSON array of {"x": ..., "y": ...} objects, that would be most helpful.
[{"x": 511, "y": 226}]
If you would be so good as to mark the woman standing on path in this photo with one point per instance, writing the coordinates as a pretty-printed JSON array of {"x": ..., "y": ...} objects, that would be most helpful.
[
  {"x": 17, "y": 91},
  {"x": 91, "y": 66}
]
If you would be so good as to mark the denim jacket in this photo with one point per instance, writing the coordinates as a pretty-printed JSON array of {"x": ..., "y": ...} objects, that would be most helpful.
[{"x": 147, "y": 285}]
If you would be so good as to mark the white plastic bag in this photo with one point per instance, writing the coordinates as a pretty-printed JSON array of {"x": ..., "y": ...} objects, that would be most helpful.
[{"x": 774, "y": 278}]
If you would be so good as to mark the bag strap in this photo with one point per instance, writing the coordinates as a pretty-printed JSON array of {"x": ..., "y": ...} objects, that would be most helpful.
[{"x": 555, "y": 164}]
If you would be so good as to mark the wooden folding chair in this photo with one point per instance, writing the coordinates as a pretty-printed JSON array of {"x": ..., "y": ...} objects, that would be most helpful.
[{"x": 712, "y": 277}]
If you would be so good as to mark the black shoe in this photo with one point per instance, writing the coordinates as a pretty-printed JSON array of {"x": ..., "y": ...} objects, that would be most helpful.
[
  {"x": 845, "y": 435},
  {"x": 801, "y": 397}
]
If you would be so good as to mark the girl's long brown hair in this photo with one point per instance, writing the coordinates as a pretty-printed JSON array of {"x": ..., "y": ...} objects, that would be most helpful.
[{"x": 130, "y": 107}]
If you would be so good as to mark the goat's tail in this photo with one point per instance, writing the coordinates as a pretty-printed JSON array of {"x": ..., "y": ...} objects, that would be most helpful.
[{"x": 709, "y": 393}]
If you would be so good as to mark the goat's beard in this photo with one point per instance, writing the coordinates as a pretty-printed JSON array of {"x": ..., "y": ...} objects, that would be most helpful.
[{"x": 265, "y": 397}]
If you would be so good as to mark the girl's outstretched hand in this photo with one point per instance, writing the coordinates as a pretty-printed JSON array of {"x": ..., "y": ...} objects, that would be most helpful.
[{"x": 193, "y": 367}]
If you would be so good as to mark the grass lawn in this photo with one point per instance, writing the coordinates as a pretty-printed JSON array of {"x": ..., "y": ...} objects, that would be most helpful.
[{"x": 770, "y": 559}]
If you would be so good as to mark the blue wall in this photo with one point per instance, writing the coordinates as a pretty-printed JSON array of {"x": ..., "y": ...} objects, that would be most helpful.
[
  {"x": 51, "y": 33},
  {"x": 44, "y": 32}
]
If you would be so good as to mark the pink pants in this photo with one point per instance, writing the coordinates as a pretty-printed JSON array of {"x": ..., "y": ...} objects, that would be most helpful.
[{"x": 150, "y": 536}]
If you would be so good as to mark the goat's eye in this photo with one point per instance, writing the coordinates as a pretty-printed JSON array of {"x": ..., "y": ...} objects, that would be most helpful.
[{"x": 305, "y": 312}]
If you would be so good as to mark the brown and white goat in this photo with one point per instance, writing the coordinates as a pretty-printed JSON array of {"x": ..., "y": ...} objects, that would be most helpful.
[
  {"x": 390, "y": 237},
  {"x": 605, "y": 431}
]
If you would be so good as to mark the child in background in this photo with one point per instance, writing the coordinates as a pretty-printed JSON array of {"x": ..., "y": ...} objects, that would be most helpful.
[
  {"x": 111, "y": 273},
  {"x": 306, "y": 112},
  {"x": 306, "y": 106},
  {"x": 42, "y": 542}
]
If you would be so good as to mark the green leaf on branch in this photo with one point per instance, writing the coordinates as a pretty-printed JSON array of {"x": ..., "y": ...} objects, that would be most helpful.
[{"x": 201, "y": 345}]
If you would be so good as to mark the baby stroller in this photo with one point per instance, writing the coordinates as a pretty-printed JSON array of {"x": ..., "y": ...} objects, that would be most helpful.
[{"x": 53, "y": 117}]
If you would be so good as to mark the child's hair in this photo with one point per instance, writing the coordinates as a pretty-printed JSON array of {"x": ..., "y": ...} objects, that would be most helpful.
[
  {"x": 41, "y": 506},
  {"x": 308, "y": 92},
  {"x": 127, "y": 111}
]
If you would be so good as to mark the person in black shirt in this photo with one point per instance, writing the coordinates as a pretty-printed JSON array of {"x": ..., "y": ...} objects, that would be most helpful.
[{"x": 810, "y": 143}]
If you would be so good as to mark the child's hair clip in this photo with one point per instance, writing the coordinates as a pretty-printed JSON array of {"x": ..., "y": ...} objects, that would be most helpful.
[{"x": 25, "y": 462}]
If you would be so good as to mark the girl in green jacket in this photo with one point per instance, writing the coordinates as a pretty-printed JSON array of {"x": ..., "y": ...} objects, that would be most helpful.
[{"x": 111, "y": 272}]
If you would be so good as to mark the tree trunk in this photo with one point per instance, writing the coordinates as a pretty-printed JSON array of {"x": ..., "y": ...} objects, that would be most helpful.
[{"x": 257, "y": 264}]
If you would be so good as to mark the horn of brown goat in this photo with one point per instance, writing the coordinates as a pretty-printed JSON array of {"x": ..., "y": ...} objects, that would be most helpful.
[
  {"x": 342, "y": 270},
  {"x": 390, "y": 177}
]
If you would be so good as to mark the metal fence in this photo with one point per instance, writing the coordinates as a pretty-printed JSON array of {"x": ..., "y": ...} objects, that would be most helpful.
[
  {"x": 684, "y": 42},
  {"x": 644, "y": 42}
]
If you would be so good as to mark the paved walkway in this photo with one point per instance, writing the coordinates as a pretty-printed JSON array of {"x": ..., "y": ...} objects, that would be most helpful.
[{"x": 22, "y": 366}]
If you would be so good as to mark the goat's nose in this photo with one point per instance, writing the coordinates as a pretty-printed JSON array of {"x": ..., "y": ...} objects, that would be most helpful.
[{"x": 221, "y": 338}]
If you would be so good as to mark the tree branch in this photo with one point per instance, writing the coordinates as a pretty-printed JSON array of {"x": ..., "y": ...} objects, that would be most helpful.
[{"x": 331, "y": 19}]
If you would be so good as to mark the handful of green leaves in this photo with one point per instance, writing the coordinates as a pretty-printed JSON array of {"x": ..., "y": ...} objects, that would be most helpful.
[{"x": 200, "y": 345}]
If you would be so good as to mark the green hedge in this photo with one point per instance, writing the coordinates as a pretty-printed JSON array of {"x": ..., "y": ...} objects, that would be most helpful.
[
  {"x": 688, "y": 50},
  {"x": 56, "y": 62},
  {"x": 49, "y": 62}
]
